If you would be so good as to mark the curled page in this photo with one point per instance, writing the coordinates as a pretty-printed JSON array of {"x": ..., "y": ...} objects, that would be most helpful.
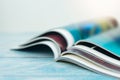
[
  {"x": 102, "y": 50},
  {"x": 65, "y": 37}
]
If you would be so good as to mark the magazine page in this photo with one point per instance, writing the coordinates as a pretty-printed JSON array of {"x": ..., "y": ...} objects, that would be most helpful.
[
  {"x": 62, "y": 38},
  {"x": 81, "y": 61},
  {"x": 109, "y": 41},
  {"x": 102, "y": 50}
]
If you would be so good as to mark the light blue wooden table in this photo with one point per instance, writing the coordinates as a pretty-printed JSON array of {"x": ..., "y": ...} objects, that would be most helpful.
[{"x": 17, "y": 65}]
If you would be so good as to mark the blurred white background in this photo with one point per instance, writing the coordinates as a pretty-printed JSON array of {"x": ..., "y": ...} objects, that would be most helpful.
[{"x": 37, "y": 15}]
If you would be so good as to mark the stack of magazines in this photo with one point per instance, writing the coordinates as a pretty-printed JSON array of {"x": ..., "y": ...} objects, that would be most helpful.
[{"x": 93, "y": 44}]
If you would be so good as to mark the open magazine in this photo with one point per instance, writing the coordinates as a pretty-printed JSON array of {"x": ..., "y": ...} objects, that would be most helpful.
[{"x": 93, "y": 44}]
